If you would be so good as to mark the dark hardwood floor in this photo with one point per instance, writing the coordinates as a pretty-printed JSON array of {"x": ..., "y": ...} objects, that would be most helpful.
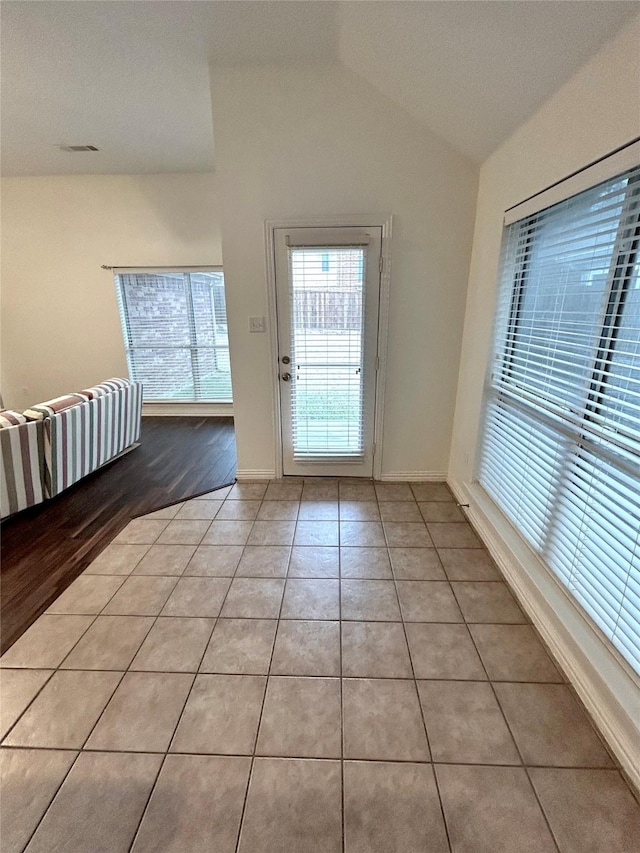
[{"x": 46, "y": 547}]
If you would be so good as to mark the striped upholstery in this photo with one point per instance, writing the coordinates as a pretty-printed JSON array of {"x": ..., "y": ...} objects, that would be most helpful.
[
  {"x": 65, "y": 439},
  {"x": 106, "y": 387},
  {"x": 21, "y": 449},
  {"x": 68, "y": 451},
  {"x": 117, "y": 423},
  {"x": 53, "y": 407},
  {"x": 82, "y": 438},
  {"x": 10, "y": 418}
]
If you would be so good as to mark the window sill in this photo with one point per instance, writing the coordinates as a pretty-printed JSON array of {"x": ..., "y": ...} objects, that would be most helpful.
[{"x": 200, "y": 410}]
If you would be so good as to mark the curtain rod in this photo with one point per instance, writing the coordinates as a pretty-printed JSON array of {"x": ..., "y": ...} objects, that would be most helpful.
[
  {"x": 577, "y": 172},
  {"x": 622, "y": 159},
  {"x": 156, "y": 267}
]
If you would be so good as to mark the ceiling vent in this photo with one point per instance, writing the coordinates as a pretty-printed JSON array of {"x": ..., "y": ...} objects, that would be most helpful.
[{"x": 74, "y": 148}]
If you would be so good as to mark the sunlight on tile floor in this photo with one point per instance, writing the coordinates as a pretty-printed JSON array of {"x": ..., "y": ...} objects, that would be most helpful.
[{"x": 299, "y": 666}]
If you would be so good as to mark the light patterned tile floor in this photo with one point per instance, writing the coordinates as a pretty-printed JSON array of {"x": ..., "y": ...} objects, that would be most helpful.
[{"x": 299, "y": 666}]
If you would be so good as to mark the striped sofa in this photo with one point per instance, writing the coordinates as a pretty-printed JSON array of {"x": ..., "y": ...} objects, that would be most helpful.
[
  {"x": 68, "y": 438},
  {"x": 22, "y": 452}
]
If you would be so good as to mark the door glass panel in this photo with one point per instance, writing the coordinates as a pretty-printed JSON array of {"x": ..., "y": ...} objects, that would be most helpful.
[{"x": 327, "y": 349}]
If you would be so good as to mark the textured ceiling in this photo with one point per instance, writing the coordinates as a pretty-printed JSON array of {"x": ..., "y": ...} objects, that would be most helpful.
[
  {"x": 132, "y": 77},
  {"x": 473, "y": 72}
]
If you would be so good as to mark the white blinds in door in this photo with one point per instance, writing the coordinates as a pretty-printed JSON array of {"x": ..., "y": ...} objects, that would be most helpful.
[
  {"x": 561, "y": 446},
  {"x": 327, "y": 349}
]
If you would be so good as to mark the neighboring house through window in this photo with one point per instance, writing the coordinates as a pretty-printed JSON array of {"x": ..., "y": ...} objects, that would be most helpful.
[{"x": 174, "y": 324}]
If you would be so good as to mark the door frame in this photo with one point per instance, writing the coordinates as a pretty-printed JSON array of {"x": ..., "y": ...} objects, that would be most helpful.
[{"x": 383, "y": 221}]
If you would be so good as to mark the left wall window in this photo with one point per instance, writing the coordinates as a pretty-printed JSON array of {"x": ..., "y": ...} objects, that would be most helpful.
[{"x": 174, "y": 324}]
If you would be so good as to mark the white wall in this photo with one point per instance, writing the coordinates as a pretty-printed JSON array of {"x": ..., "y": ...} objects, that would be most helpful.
[
  {"x": 60, "y": 324},
  {"x": 304, "y": 142},
  {"x": 591, "y": 115},
  {"x": 595, "y": 112}
]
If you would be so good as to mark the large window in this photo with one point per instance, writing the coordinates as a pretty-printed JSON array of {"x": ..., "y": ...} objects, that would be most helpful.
[
  {"x": 175, "y": 331},
  {"x": 561, "y": 442}
]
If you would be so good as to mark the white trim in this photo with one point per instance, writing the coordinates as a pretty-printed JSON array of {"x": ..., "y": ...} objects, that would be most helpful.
[
  {"x": 608, "y": 167},
  {"x": 272, "y": 320},
  {"x": 159, "y": 270},
  {"x": 196, "y": 410},
  {"x": 608, "y": 688},
  {"x": 383, "y": 329},
  {"x": 413, "y": 476},
  {"x": 326, "y": 237},
  {"x": 256, "y": 474},
  {"x": 383, "y": 221},
  {"x": 365, "y": 220}
]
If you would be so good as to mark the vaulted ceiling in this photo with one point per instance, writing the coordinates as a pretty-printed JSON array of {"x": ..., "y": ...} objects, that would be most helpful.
[{"x": 132, "y": 77}]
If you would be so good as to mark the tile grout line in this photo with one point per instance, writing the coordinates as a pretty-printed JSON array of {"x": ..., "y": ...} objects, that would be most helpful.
[
  {"x": 164, "y": 754},
  {"x": 89, "y": 626},
  {"x": 79, "y": 753},
  {"x": 29, "y": 704},
  {"x": 81, "y": 750},
  {"x": 310, "y": 619},
  {"x": 422, "y": 715},
  {"x": 279, "y": 620},
  {"x": 146, "y": 805},
  {"x": 417, "y": 693},
  {"x": 178, "y": 718},
  {"x": 490, "y": 682},
  {"x": 50, "y": 803},
  {"x": 48, "y": 612},
  {"x": 294, "y": 675},
  {"x": 187, "y": 695},
  {"x": 56, "y": 669},
  {"x": 440, "y": 762},
  {"x": 137, "y": 562},
  {"x": 264, "y": 698},
  {"x": 515, "y": 743},
  {"x": 151, "y": 627},
  {"x": 207, "y": 644}
]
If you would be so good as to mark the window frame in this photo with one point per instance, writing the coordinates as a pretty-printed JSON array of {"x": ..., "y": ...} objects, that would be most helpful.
[
  {"x": 533, "y": 400},
  {"x": 587, "y": 435},
  {"x": 193, "y": 347}
]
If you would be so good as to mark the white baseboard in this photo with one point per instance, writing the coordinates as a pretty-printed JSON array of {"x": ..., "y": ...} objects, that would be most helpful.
[
  {"x": 391, "y": 476},
  {"x": 607, "y": 686},
  {"x": 255, "y": 474},
  {"x": 414, "y": 476},
  {"x": 195, "y": 410}
]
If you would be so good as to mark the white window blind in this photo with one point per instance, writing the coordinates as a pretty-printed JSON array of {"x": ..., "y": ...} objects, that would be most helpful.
[
  {"x": 174, "y": 325},
  {"x": 327, "y": 322},
  {"x": 560, "y": 452}
]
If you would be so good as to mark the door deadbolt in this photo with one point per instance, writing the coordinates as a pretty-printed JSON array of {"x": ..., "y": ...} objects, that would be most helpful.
[
  {"x": 286, "y": 377},
  {"x": 285, "y": 359}
]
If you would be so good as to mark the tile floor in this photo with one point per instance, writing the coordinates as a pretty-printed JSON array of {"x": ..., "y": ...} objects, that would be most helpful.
[{"x": 299, "y": 666}]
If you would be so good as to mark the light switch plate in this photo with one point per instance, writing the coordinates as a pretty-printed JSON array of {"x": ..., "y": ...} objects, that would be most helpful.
[{"x": 256, "y": 324}]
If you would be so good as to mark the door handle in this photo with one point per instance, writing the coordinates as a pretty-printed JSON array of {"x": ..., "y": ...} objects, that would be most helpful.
[{"x": 285, "y": 377}]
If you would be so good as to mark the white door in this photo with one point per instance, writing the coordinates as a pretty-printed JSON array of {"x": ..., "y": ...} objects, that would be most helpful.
[{"x": 327, "y": 298}]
